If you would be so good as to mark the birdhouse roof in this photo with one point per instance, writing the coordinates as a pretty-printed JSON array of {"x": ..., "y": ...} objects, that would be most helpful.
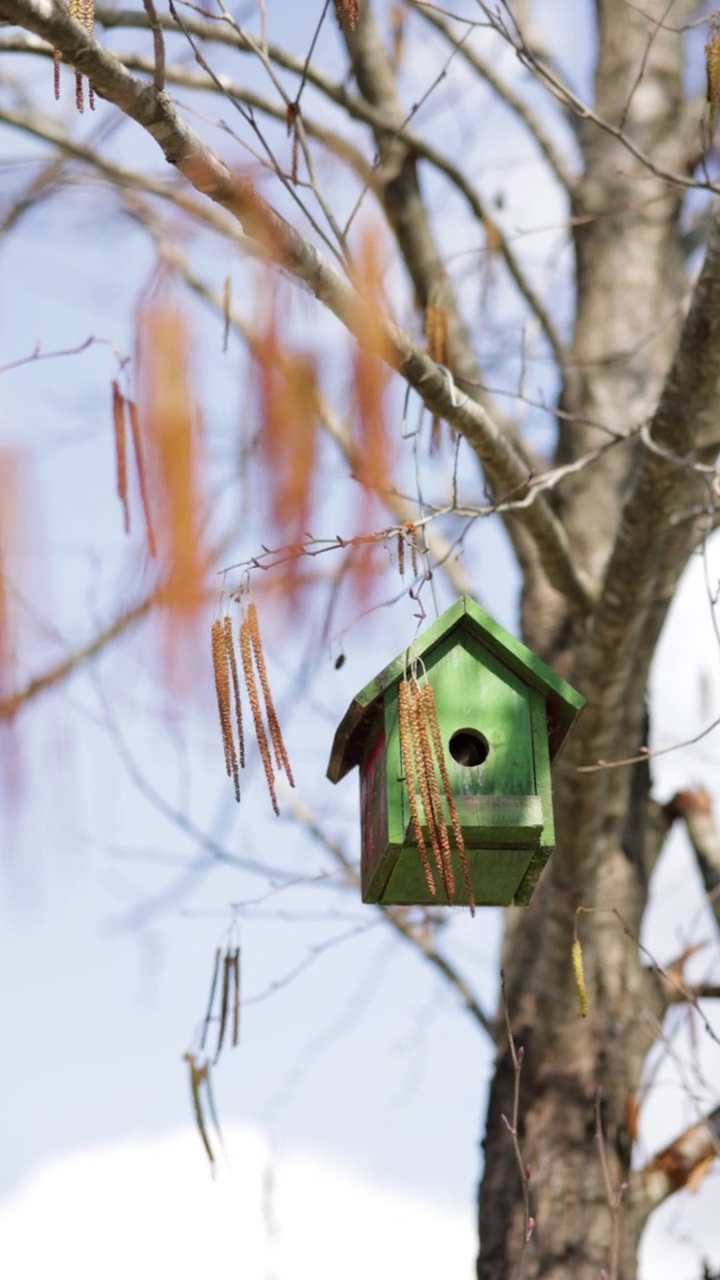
[{"x": 563, "y": 703}]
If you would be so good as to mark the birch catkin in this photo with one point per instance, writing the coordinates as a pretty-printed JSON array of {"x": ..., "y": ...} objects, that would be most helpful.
[
  {"x": 222, "y": 688},
  {"x": 712, "y": 73},
  {"x": 281, "y": 756},
  {"x": 232, "y": 663},
  {"x": 118, "y": 411},
  {"x": 430, "y": 792},
  {"x": 409, "y": 768},
  {"x": 579, "y": 975},
  {"x": 246, "y": 654},
  {"x": 431, "y": 715}
]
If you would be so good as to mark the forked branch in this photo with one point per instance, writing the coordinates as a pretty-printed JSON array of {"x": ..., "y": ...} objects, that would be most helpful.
[{"x": 278, "y": 242}]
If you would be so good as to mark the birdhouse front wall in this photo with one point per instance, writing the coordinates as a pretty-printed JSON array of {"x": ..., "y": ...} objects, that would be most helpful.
[
  {"x": 503, "y": 801},
  {"x": 479, "y": 701}
]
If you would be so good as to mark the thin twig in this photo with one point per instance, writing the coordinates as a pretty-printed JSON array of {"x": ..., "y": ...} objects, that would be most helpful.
[
  {"x": 517, "y": 1055},
  {"x": 158, "y": 45},
  {"x": 614, "y": 1195}
]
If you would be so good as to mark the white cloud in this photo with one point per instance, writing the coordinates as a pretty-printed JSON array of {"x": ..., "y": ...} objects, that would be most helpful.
[{"x": 149, "y": 1208}]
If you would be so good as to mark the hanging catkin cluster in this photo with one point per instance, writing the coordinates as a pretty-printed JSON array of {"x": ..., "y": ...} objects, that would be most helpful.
[
  {"x": 425, "y": 770},
  {"x": 84, "y": 12},
  {"x": 227, "y": 679},
  {"x": 121, "y": 407}
]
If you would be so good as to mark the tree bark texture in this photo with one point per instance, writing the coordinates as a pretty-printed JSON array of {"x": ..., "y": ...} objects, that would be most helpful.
[{"x": 632, "y": 346}]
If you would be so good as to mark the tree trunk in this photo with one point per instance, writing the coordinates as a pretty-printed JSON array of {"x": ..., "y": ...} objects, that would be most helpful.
[{"x": 630, "y": 281}]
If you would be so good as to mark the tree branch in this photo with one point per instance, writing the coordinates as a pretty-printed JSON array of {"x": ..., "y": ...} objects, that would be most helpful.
[
  {"x": 684, "y": 1162},
  {"x": 368, "y": 112},
  {"x": 695, "y": 809},
  {"x": 619, "y": 648},
  {"x": 277, "y": 241},
  {"x": 558, "y": 165}
]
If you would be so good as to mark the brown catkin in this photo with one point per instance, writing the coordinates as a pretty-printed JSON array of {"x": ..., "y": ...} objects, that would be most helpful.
[
  {"x": 118, "y": 411},
  {"x": 712, "y": 71},
  {"x": 579, "y": 975},
  {"x": 401, "y": 552},
  {"x": 232, "y": 663},
  {"x": 227, "y": 307},
  {"x": 414, "y": 551},
  {"x": 295, "y": 161},
  {"x": 79, "y": 97},
  {"x": 435, "y": 815},
  {"x": 222, "y": 689},
  {"x": 281, "y": 755},
  {"x": 420, "y": 747},
  {"x": 198, "y": 1074},
  {"x": 407, "y": 756},
  {"x": 227, "y": 974},
  {"x": 431, "y": 715},
  {"x": 347, "y": 13},
  {"x": 56, "y": 72},
  {"x": 251, "y": 686},
  {"x": 236, "y": 997},
  {"x": 142, "y": 478}
]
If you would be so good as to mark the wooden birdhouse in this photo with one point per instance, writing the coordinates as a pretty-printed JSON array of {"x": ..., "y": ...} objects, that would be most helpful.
[{"x": 500, "y": 718}]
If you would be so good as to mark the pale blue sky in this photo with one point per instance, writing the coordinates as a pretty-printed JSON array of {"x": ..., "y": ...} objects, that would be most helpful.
[{"x": 105, "y": 943}]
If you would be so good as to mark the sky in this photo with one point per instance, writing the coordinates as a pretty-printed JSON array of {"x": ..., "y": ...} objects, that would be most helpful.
[{"x": 359, "y": 1082}]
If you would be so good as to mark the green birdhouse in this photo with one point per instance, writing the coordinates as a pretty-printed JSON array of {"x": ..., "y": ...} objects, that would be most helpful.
[{"x": 500, "y": 716}]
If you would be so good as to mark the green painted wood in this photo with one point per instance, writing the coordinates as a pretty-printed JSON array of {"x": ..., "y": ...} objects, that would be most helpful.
[
  {"x": 396, "y": 796},
  {"x": 544, "y": 788},
  {"x": 374, "y": 886},
  {"x": 563, "y": 702},
  {"x": 495, "y": 873},
  {"x": 485, "y": 697},
  {"x": 493, "y": 821}
]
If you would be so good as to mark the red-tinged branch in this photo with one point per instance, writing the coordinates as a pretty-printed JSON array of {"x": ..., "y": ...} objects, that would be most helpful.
[
  {"x": 695, "y": 809},
  {"x": 157, "y": 598},
  {"x": 685, "y": 1162},
  {"x": 54, "y": 676},
  {"x": 277, "y": 241}
]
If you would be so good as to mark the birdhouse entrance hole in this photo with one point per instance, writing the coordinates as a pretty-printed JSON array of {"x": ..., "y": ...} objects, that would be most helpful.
[{"x": 469, "y": 748}]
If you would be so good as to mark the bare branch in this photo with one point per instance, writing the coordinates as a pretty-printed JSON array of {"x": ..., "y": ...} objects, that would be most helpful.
[
  {"x": 158, "y": 45},
  {"x": 613, "y": 1194},
  {"x": 277, "y": 240},
  {"x": 516, "y": 104},
  {"x": 684, "y": 1162},
  {"x": 695, "y": 809}
]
